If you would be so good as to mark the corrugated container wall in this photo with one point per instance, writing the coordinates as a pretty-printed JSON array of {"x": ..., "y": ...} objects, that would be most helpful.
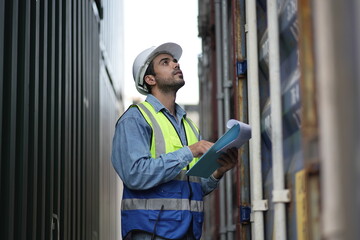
[
  {"x": 316, "y": 104},
  {"x": 58, "y": 105}
]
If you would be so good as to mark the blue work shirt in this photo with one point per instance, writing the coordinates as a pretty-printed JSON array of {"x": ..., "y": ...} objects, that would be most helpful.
[{"x": 131, "y": 155}]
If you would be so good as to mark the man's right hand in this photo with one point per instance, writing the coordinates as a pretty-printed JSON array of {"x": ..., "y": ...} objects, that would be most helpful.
[{"x": 199, "y": 148}]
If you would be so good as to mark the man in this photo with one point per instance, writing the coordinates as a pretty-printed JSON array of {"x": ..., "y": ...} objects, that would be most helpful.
[{"x": 153, "y": 146}]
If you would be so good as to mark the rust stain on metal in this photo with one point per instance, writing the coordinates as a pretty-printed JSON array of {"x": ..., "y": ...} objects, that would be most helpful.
[{"x": 307, "y": 59}]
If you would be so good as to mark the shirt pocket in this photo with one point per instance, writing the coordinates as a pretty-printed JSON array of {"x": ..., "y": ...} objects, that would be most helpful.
[{"x": 165, "y": 215}]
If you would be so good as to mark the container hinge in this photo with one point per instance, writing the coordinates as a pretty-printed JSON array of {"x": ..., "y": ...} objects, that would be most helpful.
[
  {"x": 227, "y": 84},
  {"x": 55, "y": 227},
  {"x": 281, "y": 196},
  {"x": 258, "y": 206}
]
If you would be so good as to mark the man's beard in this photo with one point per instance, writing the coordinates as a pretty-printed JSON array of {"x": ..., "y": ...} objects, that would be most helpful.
[{"x": 169, "y": 85}]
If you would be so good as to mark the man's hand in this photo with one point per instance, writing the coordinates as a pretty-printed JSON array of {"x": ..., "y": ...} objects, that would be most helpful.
[
  {"x": 199, "y": 148},
  {"x": 227, "y": 161}
]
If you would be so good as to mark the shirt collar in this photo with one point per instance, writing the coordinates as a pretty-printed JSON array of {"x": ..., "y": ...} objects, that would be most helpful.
[{"x": 158, "y": 106}]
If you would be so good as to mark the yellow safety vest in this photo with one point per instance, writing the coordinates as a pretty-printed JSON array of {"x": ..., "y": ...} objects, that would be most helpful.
[{"x": 165, "y": 139}]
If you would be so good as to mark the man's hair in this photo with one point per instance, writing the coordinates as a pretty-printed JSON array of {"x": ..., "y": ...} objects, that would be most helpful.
[{"x": 149, "y": 71}]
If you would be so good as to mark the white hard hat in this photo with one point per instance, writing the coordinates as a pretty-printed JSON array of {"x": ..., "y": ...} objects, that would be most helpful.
[{"x": 143, "y": 60}]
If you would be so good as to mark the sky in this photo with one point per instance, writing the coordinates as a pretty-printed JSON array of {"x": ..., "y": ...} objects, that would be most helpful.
[{"x": 150, "y": 23}]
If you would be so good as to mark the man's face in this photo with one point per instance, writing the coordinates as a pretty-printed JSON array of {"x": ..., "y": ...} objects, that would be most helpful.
[{"x": 168, "y": 75}]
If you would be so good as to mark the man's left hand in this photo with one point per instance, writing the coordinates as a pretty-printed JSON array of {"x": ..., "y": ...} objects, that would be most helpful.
[{"x": 227, "y": 161}]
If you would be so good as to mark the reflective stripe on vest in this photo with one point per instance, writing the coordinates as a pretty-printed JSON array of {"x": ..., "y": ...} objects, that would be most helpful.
[
  {"x": 158, "y": 143},
  {"x": 158, "y": 135},
  {"x": 162, "y": 203},
  {"x": 183, "y": 177}
]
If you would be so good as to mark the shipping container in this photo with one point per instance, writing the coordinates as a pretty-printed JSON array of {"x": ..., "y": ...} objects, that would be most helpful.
[
  {"x": 59, "y": 100},
  {"x": 290, "y": 69}
]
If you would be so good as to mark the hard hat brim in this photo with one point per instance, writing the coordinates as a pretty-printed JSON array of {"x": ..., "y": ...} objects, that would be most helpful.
[{"x": 172, "y": 48}]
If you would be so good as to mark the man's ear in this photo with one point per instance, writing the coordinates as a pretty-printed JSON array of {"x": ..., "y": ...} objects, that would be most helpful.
[{"x": 150, "y": 79}]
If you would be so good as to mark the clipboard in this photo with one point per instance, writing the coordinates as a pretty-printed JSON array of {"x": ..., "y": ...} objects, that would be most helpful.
[{"x": 238, "y": 134}]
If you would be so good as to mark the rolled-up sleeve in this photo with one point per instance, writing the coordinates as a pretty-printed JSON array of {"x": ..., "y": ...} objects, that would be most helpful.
[{"x": 209, "y": 184}]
